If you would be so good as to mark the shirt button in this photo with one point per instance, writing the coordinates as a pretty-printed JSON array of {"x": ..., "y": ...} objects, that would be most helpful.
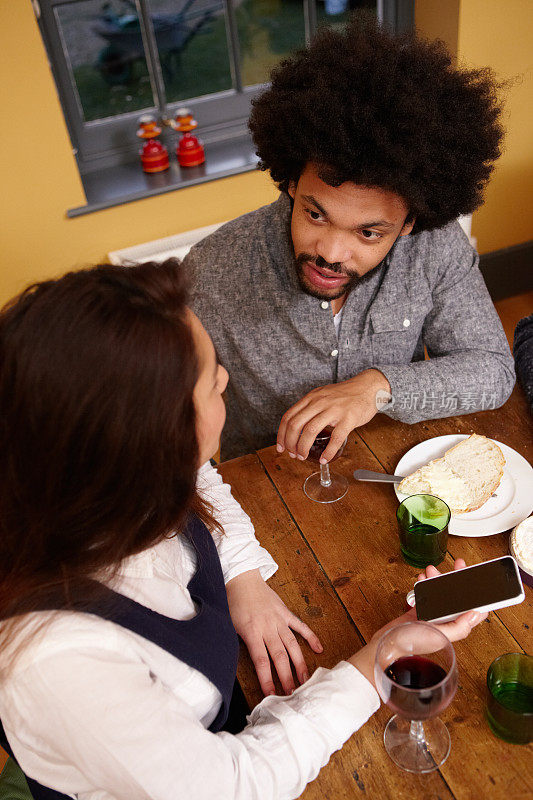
[
  {"x": 324, "y": 304},
  {"x": 153, "y": 556},
  {"x": 334, "y": 353},
  {"x": 406, "y": 323}
]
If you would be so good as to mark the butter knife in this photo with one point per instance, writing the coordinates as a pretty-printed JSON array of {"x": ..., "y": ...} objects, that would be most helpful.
[
  {"x": 380, "y": 477},
  {"x": 377, "y": 477}
]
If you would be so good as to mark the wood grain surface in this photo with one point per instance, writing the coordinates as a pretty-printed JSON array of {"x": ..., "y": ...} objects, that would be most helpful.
[{"x": 341, "y": 571}]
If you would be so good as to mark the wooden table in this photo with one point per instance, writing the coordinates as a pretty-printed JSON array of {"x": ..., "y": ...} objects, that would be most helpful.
[{"x": 340, "y": 571}]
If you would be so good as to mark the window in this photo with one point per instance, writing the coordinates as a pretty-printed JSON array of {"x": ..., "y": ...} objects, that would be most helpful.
[{"x": 114, "y": 60}]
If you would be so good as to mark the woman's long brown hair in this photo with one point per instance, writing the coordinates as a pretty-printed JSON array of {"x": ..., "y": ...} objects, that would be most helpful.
[{"x": 98, "y": 449}]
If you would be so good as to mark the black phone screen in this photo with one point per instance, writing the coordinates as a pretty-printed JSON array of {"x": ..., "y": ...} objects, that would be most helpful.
[{"x": 455, "y": 592}]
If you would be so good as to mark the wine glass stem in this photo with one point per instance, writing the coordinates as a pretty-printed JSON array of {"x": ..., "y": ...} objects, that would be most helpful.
[
  {"x": 417, "y": 731},
  {"x": 325, "y": 478}
]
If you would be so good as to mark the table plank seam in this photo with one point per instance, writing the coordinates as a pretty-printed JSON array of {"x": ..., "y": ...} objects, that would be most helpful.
[
  {"x": 511, "y": 634},
  {"x": 369, "y": 448},
  {"x": 439, "y": 771},
  {"x": 330, "y": 583},
  {"x": 326, "y": 576}
]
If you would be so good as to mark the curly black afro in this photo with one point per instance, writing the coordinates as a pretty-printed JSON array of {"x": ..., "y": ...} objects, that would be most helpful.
[{"x": 382, "y": 110}]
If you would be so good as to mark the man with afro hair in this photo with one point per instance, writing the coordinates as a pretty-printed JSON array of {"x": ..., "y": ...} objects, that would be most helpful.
[{"x": 323, "y": 304}]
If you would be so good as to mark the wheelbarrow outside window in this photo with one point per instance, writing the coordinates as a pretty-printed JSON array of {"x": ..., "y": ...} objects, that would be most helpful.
[{"x": 116, "y": 59}]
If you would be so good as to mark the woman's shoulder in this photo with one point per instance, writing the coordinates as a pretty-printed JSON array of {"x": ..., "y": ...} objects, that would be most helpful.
[{"x": 48, "y": 634}]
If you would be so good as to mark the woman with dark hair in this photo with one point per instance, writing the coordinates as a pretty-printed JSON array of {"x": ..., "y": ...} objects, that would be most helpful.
[{"x": 127, "y": 568}]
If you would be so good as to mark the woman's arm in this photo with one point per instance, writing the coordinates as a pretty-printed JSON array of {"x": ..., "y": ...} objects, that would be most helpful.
[
  {"x": 97, "y": 719},
  {"x": 89, "y": 718},
  {"x": 238, "y": 549},
  {"x": 260, "y": 617}
]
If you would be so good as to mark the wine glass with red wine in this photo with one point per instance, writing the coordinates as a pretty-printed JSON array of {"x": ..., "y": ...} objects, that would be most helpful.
[
  {"x": 325, "y": 486},
  {"x": 416, "y": 675}
]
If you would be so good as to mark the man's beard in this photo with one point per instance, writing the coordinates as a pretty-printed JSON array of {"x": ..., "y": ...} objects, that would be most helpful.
[{"x": 337, "y": 267}]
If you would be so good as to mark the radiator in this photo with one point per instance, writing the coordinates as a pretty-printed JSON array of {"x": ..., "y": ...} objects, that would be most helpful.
[{"x": 172, "y": 246}]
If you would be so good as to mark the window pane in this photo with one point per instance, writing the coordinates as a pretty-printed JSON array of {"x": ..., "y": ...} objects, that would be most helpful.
[
  {"x": 103, "y": 47},
  {"x": 192, "y": 46},
  {"x": 335, "y": 13},
  {"x": 268, "y": 31}
]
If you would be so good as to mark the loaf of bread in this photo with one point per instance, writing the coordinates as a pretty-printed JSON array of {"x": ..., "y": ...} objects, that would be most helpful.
[{"x": 465, "y": 477}]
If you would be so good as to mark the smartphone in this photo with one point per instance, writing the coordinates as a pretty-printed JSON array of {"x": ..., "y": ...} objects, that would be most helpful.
[{"x": 483, "y": 587}]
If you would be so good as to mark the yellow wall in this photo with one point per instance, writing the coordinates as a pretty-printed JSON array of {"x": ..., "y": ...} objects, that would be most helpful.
[
  {"x": 40, "y": 179},
  {"x": 439, "y": 19},
  {"x": 499, "y": 34}
]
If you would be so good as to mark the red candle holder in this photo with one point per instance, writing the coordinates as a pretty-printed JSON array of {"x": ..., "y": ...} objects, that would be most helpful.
[
  {"x": 154, "y": 156},
  {"x": 190, "y": 150}
]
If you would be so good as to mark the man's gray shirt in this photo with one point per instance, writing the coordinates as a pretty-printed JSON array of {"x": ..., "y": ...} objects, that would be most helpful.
[{"x": 278, "y": 343}]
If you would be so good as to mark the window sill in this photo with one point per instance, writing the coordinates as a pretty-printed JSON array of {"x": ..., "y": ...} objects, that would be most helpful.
[{"x": 126, "y": 183}]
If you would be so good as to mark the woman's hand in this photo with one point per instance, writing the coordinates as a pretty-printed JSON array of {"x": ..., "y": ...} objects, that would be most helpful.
[
  {"x": 455, "y": 630},
  {"x": 264, "y": 623},
  {"x": 458, "y": 628}
]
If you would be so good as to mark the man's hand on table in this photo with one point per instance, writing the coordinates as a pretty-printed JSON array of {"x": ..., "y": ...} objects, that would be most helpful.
[
  {"x": 264, "y": 623},
  {"x": 343, "y": 406}
]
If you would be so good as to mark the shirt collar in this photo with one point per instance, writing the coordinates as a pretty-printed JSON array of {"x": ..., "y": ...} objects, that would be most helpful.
[{"x": 140, "y": 565}]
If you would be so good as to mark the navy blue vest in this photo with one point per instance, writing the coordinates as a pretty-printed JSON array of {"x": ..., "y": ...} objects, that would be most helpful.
[{"x": 207, "y": 642}]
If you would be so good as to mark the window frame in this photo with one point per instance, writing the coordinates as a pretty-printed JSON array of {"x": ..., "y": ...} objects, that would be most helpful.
[{"x": 221, "y": 116}]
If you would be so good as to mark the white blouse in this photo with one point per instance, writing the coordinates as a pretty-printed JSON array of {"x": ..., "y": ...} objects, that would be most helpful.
[{"x": 99, "y": 712}]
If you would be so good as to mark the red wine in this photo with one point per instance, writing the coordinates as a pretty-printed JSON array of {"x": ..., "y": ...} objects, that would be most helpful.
[
  {"x": 415, "y": 672},
  {"x": 320, "y": 444},
  {"x": 418, "y": 672}
]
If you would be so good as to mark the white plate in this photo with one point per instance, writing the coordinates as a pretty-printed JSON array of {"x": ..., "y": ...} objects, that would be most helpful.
[{"x": 514, "y": 495}]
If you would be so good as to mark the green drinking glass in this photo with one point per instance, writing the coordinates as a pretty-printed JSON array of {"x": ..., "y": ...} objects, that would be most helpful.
[
  {"x": 423, "y": 526},
  {"x": 510, "y": 697}
]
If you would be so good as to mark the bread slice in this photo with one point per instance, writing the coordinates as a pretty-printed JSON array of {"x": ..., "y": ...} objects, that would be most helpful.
[{"x": 465, "y": 477}]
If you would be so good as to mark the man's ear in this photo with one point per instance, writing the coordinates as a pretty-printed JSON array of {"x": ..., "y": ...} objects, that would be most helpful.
[
  {"x": 408, "y": 225},
  {"x": 291, "y": 188}
]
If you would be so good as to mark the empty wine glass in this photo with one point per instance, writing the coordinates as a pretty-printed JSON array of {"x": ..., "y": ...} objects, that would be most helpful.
[
  {"x": 325, "y": 486},
  {"x": 416, "y": 675}
]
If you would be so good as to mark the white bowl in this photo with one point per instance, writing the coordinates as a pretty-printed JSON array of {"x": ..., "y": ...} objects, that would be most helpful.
[{"x": 521, "y": 547}]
